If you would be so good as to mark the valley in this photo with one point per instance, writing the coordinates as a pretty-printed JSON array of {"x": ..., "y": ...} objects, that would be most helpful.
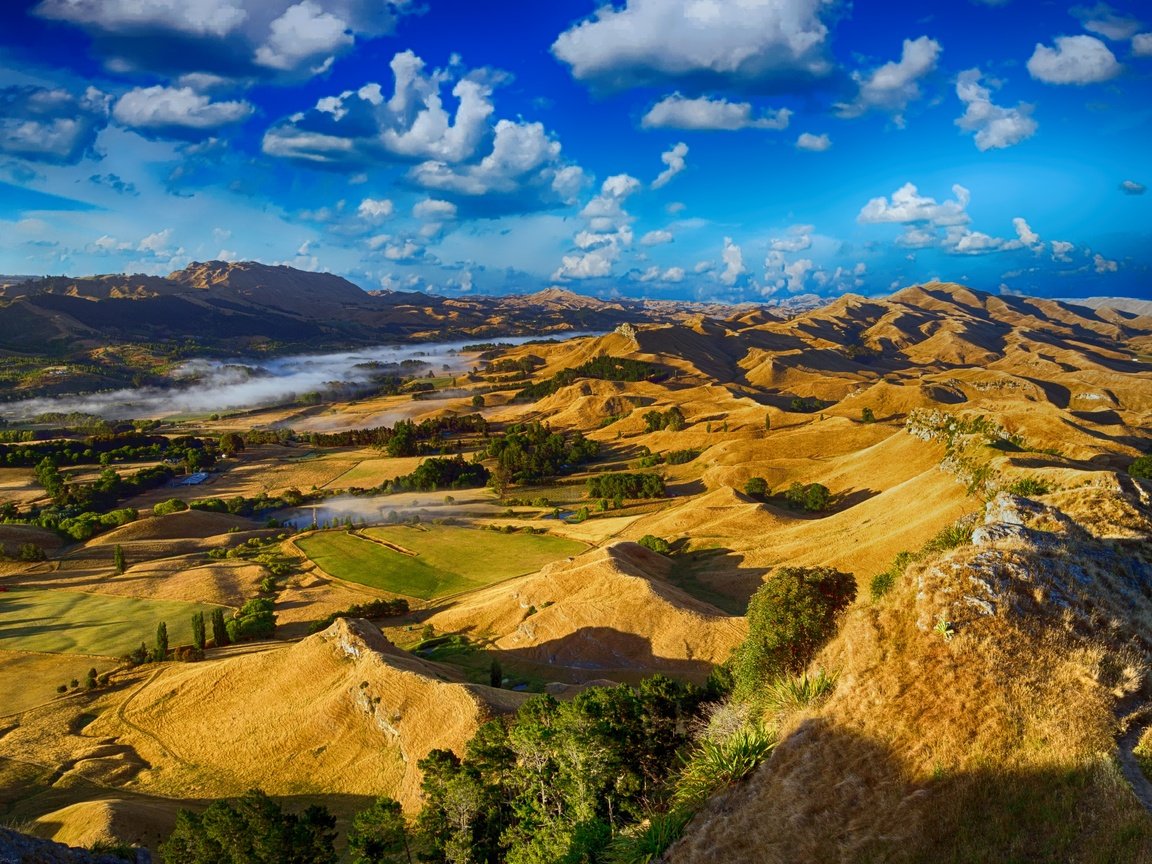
[{"x": 356, "y": 581}]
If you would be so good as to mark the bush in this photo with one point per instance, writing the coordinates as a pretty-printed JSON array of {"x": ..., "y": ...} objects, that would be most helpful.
[
  {"x": 624, "y": 485},
  {"x": 790, "y": 617},
  {"x": 1141, "y": 468},
  {"x": 1028, "y": 487},
  {"x": 255, "y": 620},
  {"x": 813, "y": 497},
  {"x": 172, "y": 505},
  {"x": 756, "y": 487},
  {"x": 867, "y": 416},
  {"x": 679, "y": 457},
  {"x": 647, "y": 842},
  {"x": 656, "y": 544},
  {"x": 881, "y": 584},
  {"x": 792, "y": 694}
]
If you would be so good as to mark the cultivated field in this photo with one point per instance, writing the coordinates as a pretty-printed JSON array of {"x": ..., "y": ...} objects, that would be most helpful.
[
  {"x": 72, "y": 622},
  {"x": 435, "y": 561}
]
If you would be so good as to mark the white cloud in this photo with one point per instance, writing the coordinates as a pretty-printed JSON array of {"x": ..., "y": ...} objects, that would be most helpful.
[
  {"x": 405, "y": 250},
  {"x": 1061, "y": 251},
  {"x": 798, "y": 238},
  {"x": 375, "y": 208},
  {"x": 893, "y": 86},
  {"x": 735, "y": 42},
  {"x": 815, "y": 143},
  {"x": 655, "y": 274},
  {"x": 199, "y": 17},
  {"x": 918, "y": 238},
  {"x": 1074, "y": 60},
  {"x": 1103, "y": 265},
  {"x": 656, "y": 238},
  {"x": 796, "y": 274},
  {"x": 156, "y": 243},
  {"x": 434, "y": 210},
  {"x": 705, "y": 114},
  {"x": 674, "y": 159},
  {"x": 1142, "y": 45},
  {"x": 50, "y": 124},
  {"x": 607, "y": 231},
  {"x": 995, "y": 127},
  {"x": 1131, "y": 187},
  {"x": 733, "y": 259},
  {"x": 1027, "y": 236},
  {"x": 908, "y": 206},
  {"x": 1106, "y": 21},
  {"x": 173, "y": 109},
  {"x": 304, "y": 33}
]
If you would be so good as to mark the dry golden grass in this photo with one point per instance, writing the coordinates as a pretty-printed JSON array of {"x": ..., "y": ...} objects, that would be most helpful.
[{"x": 28, "y": 679}]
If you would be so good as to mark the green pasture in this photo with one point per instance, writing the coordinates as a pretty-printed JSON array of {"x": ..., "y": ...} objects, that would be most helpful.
[
  {"x": 71, "y": 622},
  {"x": 446, "y": 560}
]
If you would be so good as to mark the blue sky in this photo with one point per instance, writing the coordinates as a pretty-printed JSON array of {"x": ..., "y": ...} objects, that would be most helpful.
[{"x": 743, "y": 150}]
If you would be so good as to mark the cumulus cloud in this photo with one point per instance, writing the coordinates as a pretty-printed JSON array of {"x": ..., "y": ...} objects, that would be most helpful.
[
  {"x": 178, "y": 112},
  {"x": 45, "y": 124},
  {"x": 815, "y": 143},
  {"x": 157, "y": 243},
  {"x": 232, "y": 38},
  {"x": 1106, "y": 21},
  {"x": 1142, "y": 45},
  {"x": 1024, "y": 231},
  {"x": 908, "y": 206},
  {"x": 608, "y": 230},
  {"x": 798, "y": 238},
  {"x": 1074, "y": 60},
  {"x": 733, "y": 259},
  {"x": 434, "y": 210},
  {"x": 995, "y": 127},
  {"x": 752, "y": 44},
  {"x": 508, "y": 166},
  {"x": 1062, "y": 251},
  {"x": 674, "y": 159},
  {"x": 1103, "y": 265},
  {"x": 656, "y": 238},
  {"x": 375, "y": 208},
  {"x": 655, "y": 274},
  {"x": 891, "y": 88},
  {"x": 1131, "y": 187},
  {"x": 708, "y": 114},
  {"x": 304, "y": 34}
]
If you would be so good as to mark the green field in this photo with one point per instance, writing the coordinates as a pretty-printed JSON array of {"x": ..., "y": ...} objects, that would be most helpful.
[
  {"x": 447, "y": 561},
  {"x": 34, "y": 619}
]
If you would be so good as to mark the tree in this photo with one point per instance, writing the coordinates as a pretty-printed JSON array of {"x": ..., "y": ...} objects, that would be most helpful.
[
  {"x": 252, "y": 829},
  {"x": 161, "y": 652},
  {"x": 790, "y": 617},
  {"x": 813, "y": 497},
  {"x": 172, "y": 505},
  {"x": 198, "y": 635},
  {"x": 656, "y": 544},
  {"x": 867, "y": 416},
  {"x": 495, "y": 674},
  {"x": 478, "y": 401},
  {"x": 1141, "y": 468},
  {"x": 219, "y": 628},
  {"x": 379, "y": 835},
  {"x": 118, "y": 559},
  {"x": 500, "y": 479},
  {"x": 756, "y": 487},
  {"x": 767, "y": 421},
  {"x": 231, "y": 442}
]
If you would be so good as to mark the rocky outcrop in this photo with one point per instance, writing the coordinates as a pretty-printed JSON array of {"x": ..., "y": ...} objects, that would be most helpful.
[{"x": 17, "y": 848}]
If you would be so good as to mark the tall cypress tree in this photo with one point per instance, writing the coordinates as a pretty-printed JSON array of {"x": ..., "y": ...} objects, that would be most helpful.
[
  {"x": 161, "y": 642},
  {"x": 118, "y": 559},
  {"x": 198, "y": 631},
  {"x": 219, "y": 628}
]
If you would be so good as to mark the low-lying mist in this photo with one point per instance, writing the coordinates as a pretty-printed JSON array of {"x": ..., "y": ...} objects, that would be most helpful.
[
  {"x": 208, "y": 386},
  {"x": 375, "y": 509}
]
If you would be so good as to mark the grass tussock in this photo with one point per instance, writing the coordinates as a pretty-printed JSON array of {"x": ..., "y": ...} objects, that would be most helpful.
[
  {"x": 787, "y": 695},
  {"x": 718, "y": 764}
]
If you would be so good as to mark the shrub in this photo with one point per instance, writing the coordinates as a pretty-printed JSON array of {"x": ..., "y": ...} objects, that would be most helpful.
[
  {"x": 867, "y": 416},
  {"x": 792, "y": 694},
  {"x": 255, "y": 620},
  {"x": 172, "y": 505},
  {"x": 881, "y": 584},
  {"x": 679, "y": 457},
  {"x": 647, "y": 842},
  {"x": 623, "y": 485},
  {"x": 718, "y": 764},
  {"x": 1028, "y": 487},
  {"x": 756, "y": 487},
  {"x": 656, "y": 544},
  {"x": 1141, "y": 468},
  {"x": 813, "y": 497},
  {"x": 790, "y": 617}
]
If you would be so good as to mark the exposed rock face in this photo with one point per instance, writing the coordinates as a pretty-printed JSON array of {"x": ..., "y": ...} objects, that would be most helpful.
[{"x": 16, "y": 848}]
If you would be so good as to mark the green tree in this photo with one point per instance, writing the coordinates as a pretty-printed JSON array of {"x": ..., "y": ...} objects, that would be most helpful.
[
  {"x": 118, "y": 559},
  {"x": 478, "y": 401},
  {"x": 813, "y": 497},
  {"x": 379, "y": 835},
  {"x": 656, "y": 544},
  {"x": 867, "y": 416},
  {"x": 172, "y": 505},
  {"x": 790, "y": 617},
  {"x": 161, "y": 652},
  {"x": 231, "y": 442},
  {"x": 1141, "y": 467},
  {"x": 198, "y": 634},
  {"x": 756, "y": 487},
  {"x": 219, "y": 628}
]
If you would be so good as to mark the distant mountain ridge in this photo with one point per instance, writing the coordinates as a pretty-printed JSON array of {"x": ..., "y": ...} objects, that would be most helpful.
[{"x": 246, "y": 304}]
